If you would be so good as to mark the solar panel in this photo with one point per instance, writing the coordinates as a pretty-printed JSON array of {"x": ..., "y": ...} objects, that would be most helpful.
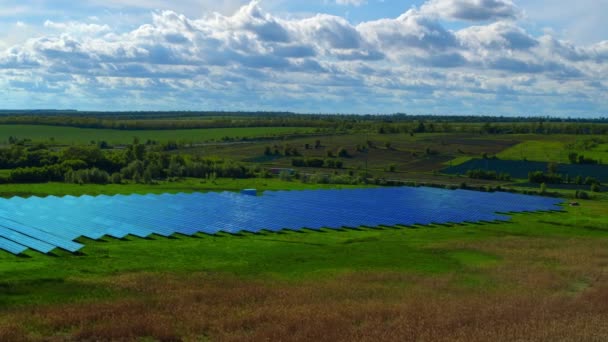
[
  {"x": 47, "y": 223},
  {"x": 25, "y": 240},
  {"x": 40, "y": 235},
  {"x": 11, "y": 246}
]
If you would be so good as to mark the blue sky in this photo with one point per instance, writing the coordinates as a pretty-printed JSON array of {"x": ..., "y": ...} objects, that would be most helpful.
[{"x": 499, "y": 57}]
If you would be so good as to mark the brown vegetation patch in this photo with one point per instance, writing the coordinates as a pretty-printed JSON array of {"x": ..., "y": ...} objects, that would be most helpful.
[{"x": 355, "y": 307}]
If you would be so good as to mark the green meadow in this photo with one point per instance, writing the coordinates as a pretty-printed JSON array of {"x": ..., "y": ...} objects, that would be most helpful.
[
  {"x": 73, "y": 135},
  {"x": 159, "y": 187},
  {"x": 556, "y": 149}
]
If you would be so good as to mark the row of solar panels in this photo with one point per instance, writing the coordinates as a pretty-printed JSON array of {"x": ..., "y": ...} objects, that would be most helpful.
[{"x": 54, "y": 222}]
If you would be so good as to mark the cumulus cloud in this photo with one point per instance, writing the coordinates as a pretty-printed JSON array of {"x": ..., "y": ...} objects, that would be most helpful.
[
  {"x": 472, "y": 10},
  {"x": 254, "y": 59}
]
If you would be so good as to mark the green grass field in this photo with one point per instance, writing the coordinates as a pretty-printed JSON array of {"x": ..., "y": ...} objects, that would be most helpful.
[
  {"x": 555, "y": 150},
  {"x": 70, "y": 135},
  {"x": 185, "y": 185}
]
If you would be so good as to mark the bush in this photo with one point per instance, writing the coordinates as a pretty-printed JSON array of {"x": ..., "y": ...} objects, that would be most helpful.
[
  {"x": 308, "y": 162},
  {"x": 490, "y": 175},
  {"x": 87, "y": 176},
  {"x": 590, "y": 181},
  {"x": 343, "y": 153},
  {"x": 334, "y": 164},
  {"x": 116, "y": 178},
  {"x": 285, "y": 175},
  {"x": 581, "y": 194},
  {"x": 595, "y": 187},
  {"x": 541, "y": 177}
]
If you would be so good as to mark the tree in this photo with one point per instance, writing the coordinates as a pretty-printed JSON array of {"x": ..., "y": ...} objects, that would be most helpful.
[
  {"x": 116, "y": 178},
  {"x": 420, "y": 128},
  {"x": 175, "y": 169},
  {"x": 136, "y": 151},
  {"x": 147, "y": 176},
  {"x": 543, "y": 188},
  {"x": 552, "y": 168},
  {"x": 581, "y": 194},
  {"x": 343, "y": 153},
  {"x": 590, "y": 181},
  {"x": 137, "y": 177}
]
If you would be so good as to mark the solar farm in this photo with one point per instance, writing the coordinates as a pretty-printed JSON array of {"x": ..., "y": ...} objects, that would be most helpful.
[
  {"x": 355, "y": 231},
  {"x": 44, "y": 224}
]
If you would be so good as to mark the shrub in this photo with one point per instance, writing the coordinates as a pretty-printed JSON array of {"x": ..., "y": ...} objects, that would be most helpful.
[
  {"x": 285, "y": 175},
  {"x": 343, "y": 153},
  {"x": 116, "y": 178},
  {"x": 87, "y": 176},
  {"x": 590, "y": 181},
  {"x": 541, "y": 177},
  {"x": 309, "y": 162},
  {"x": 490, "y": 175}
]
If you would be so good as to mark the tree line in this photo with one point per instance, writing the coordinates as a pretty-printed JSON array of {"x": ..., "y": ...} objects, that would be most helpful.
[
  {"x": 91, "y": 164},
  {"x": 389, "y": 124}
]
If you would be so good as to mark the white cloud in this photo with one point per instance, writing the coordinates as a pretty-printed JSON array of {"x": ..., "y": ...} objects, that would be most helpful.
[
  {"x": 254, "y": 59},
  {"x": 73, "y": 27},
  {"x": 472, "y": 10}
]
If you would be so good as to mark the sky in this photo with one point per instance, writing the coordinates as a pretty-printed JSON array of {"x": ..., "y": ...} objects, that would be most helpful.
[{"x": 466, "y": 57}]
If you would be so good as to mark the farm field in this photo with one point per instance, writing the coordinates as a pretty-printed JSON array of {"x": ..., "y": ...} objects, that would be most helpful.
[
  {"x": 377, "y": 152},
  {"x": 72, "y": 135},
  {"x": 520, "y": 169},
  {"x": 469, "y": 282},
  {"x": 556, "y": 149}
]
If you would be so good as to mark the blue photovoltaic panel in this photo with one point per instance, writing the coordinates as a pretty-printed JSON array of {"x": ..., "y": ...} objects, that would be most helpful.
[
  {"x": 26, "y": 240},
  {"x": 11, "y": 247},
  {"x": 52, "y": 222}
]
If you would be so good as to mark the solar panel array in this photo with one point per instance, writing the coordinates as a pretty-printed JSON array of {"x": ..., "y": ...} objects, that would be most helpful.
[{"x": 46, "y": 223}]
